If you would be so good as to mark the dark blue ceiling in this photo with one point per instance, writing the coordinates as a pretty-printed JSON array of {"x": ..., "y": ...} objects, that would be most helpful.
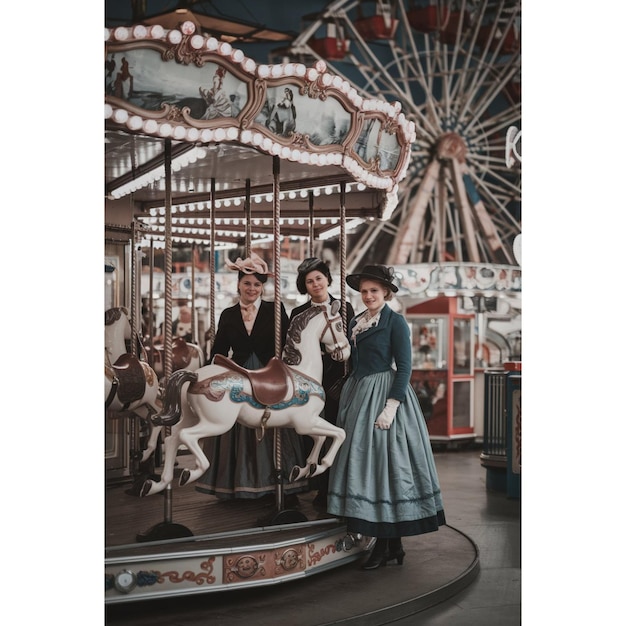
[{"x": 282, "y": 15}]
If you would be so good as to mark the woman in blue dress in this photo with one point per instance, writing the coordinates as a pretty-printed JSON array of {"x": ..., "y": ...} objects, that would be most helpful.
[{"x": 383, "y": 481}]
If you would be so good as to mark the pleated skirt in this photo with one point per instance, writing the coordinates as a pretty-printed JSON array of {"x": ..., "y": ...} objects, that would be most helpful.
[
  {"x": 384, "y": 482},
  {"x": 242, "y": 467}
]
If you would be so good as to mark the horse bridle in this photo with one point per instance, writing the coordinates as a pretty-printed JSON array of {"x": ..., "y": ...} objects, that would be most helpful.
[{"x": 337, "y": 347}]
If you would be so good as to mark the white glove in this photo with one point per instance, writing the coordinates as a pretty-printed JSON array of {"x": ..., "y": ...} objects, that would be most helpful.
[{"x": 386, "y": 417}]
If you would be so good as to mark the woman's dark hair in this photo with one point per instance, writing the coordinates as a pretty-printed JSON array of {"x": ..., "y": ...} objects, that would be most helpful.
[
  {"x": 260, "y": 277},
  {"x": 311, "y": 265}
]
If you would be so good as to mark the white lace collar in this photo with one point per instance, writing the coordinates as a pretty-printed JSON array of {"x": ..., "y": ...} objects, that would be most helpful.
[{"x": 365, "y": 321}]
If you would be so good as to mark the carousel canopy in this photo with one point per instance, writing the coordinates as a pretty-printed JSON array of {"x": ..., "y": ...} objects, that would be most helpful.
[{"x": 230, "y": 127}]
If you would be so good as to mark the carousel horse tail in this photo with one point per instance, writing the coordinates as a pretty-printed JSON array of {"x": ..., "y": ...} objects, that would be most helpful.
[{"x": 172, "y": 406}]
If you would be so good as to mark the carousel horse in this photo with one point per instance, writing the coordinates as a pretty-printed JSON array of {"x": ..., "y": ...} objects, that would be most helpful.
[
  {"x": 185, "y": 355},
  {"x": 286, "y": 392},
  {"x": 129, "y": 383}
]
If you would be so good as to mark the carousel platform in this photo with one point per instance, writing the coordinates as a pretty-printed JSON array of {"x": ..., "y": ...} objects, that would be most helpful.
[{"x": 438, "y": 568}]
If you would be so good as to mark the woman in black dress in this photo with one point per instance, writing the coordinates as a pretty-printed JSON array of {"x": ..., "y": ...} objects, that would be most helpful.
[
  {"x": 241, "y": 466},
  {"x": 314, "y": 278}
]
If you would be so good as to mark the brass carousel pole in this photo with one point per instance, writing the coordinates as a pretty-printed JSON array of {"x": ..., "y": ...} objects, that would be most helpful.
[
  {"x": 133, "y": 291},
  {"x": 151, "y": 307},
  {"x": 282, "y": 516},
  {"x": 342, "y": 260},
  {"x": 133, "y": 434},
  {"x": 311, "y": 224},
  {"x": 194, "y": 318},
  {"x": 248, "y": 212},
  {"x": 211, "y": 336},
  {"x": 167, "y": 529},
  {"x": 167, "y": 328},
  {"x": 277, "y": 324}
]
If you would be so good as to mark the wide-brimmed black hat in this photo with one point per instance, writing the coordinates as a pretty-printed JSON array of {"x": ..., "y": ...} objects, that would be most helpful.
[
  {"x": 380, "y": 273},
  {"x": 311, "y": 264}
]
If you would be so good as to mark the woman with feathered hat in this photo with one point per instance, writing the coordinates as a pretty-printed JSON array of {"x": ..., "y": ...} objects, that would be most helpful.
[{"x": 241, "y": 467}]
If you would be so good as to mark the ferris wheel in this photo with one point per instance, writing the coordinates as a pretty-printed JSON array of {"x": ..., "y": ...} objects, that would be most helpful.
[{"x": 455, "y": 67}]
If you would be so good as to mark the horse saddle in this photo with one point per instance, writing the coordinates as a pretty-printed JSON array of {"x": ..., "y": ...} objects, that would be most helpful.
[
  {"x": 181, "y": 354},
  {"x": 129, "y": 371},
  {"x": 270, "y": 384}
]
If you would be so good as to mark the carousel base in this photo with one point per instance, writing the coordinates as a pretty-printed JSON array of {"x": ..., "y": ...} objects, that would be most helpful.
[
  {"x": 255, "y": 561},
  {"x": 231, "y": 560},
  {"x": 252, "y": 571}
]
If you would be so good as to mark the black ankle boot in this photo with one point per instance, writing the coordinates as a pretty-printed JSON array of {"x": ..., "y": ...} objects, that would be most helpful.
[
  {"x": 378, "y": 556},
  {"x": 396, "y": 551}
]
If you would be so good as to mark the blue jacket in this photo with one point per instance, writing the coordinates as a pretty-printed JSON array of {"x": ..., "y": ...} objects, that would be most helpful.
[{"x": 379, "y": 347}]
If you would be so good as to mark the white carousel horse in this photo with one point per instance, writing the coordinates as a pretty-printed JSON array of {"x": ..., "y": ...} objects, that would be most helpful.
[
  {"x": 284, "y": 393},
  {"x": 129, "y": 383}
]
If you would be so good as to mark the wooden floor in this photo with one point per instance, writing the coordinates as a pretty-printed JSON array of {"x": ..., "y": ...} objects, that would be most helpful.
[
  {"x": 130, "y": 519},
  {"x": 437, "y": 585}
]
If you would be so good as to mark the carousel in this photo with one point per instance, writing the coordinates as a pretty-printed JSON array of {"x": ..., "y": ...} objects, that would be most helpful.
[
  {"x": 206, "y": 146},
  {"x": 386, "y": 128}
]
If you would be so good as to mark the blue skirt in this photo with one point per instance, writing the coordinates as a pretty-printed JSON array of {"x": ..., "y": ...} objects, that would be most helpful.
[{"x": 384, "y": 482}]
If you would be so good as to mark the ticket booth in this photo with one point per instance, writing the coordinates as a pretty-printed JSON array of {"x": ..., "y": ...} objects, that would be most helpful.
[{"x": 443, "y": 368}]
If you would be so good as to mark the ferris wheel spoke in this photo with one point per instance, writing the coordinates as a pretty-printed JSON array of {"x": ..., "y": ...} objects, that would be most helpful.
[
  {"x": 499, "y": 211},
  {"x": 402, "y": 62},
  {"x": 487, "y": 97},
  {"x": 424, "y": 74},
  {"x": 461, "y": 199},
  {"x": 504, "y": 183},
  {"x": 496, "y": 126},
  {"x": 421, "y": 80},
  {"x": 479, "y": 207},
  {"x": 407, "y": 232},
  {"x": 374, "y": 80},
  {"x": 367, "y": 238},
  {"x": 496, "y": 202},
  {"x": 468, "y": 58},
  {"x": 407, "y": 72},
  {"x": 480, "y": 95},
  {"x": 471, "y": 42}
]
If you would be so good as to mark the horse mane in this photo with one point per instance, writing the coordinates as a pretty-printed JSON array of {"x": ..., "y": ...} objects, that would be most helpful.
[{"x": 291, "y": 354}]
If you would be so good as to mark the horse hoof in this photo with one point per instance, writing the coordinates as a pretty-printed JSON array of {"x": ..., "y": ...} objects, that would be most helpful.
[
  {"x": 184, "y": 477},
  {"x": 295, "y": 473},
  {"x": 145, "y": 489}
]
